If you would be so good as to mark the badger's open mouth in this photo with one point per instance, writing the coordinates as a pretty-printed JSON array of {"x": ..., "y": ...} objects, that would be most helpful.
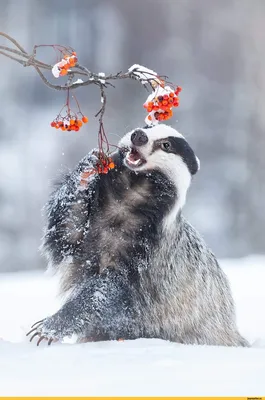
[{"x": 134, "y": 159}]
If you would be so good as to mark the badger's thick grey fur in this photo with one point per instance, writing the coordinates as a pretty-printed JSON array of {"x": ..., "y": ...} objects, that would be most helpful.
[{"x": 131, "y": 265}]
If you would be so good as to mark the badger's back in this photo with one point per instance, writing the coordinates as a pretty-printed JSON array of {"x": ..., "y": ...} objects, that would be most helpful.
[{"x": 190, "y": 299}]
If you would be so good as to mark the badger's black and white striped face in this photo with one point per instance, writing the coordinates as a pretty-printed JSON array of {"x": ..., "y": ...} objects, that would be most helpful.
[{"x": 159, "y": 147}]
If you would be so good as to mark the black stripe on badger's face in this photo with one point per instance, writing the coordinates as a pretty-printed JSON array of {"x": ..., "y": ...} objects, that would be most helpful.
[{"x": 180, "y": 147}]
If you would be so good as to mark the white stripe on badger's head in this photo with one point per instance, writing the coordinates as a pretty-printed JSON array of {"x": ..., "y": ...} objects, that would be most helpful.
[
  {"x": 159, "y": 131},
  {"x": 162, "y": 147}
]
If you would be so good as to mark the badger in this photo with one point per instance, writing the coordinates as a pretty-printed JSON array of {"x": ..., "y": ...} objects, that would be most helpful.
[{"x": 131, "y": 266}]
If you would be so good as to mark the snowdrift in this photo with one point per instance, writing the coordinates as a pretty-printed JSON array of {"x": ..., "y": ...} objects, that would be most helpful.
[{"x": 131, "y": 368}]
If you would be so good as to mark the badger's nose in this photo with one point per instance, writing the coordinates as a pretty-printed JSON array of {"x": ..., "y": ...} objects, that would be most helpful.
[{"x": 139, "y": 138}]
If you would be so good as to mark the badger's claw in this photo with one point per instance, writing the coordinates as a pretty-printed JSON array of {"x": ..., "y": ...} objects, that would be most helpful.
[
  {"x": 50, "y": 340},
  {"x": 33, "y": 336},
  {"x": 35, "y": 328},
  {"x": 39, "y": 330},
  {"x": 38, "y": 322}
]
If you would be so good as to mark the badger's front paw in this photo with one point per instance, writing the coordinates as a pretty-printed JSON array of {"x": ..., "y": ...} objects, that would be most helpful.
[{"x": 51, "y": 329}]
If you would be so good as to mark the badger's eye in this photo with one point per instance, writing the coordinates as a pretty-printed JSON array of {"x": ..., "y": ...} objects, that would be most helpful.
[{"x": 166, "y": 146}]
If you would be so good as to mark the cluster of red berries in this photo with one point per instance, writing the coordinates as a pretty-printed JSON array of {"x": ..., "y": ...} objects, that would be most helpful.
[
  {"x": 103, "y": 166},
  {"x": 69, "y": 123},
  {"x": 66, "y": 63},
  {"x": 162, "y": 105}
]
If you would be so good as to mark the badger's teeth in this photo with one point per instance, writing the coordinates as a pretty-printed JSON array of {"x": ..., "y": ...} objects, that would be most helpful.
[
  {"x": 136, "y": 162},
  {"x": 133, "y": 161}
]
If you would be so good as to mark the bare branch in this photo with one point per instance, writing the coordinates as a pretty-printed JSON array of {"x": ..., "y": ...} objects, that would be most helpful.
[
  {"x": 103, "y": 101},
  {"x": 148, "y": 78},
  {"x": 19, "y": 53},
  {"x": 26, "y": 60},
  {"x": 13, "y": 41},
  {"x": 12, "y": 58}
]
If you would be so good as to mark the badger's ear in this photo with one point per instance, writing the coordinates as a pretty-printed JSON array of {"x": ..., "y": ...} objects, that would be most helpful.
[
  {"x": 198, "y": 163},
  {"x": 195, "y": 165}
]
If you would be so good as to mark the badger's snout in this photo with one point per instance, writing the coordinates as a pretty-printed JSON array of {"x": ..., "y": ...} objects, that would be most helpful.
[
  {"x": 139, "y": 138},
  {"x": 134, "y": 158}
]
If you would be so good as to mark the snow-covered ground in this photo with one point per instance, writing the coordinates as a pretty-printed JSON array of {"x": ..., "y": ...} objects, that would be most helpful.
[{"x": 140, "y": 367}]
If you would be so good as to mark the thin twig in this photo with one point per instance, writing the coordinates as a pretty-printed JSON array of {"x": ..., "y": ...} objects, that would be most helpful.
[{"x": 13, "y": 41}]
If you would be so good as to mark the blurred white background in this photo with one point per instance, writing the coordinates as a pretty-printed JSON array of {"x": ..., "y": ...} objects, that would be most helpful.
[{"x": 214, "y": 49}]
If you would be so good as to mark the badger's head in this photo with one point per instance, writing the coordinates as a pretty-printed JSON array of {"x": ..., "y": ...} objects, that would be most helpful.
[{"x": 161, "y": 148}]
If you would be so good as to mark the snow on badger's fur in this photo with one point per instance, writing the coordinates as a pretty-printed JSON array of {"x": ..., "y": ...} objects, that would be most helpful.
[{"x": 129, "y": 262}]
